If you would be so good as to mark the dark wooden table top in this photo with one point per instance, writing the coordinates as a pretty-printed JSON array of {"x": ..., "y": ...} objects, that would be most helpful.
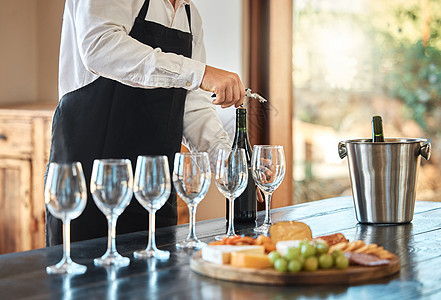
[{"x": 418, "y": 244}]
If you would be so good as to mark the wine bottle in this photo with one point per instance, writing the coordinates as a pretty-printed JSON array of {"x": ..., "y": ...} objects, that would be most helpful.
[
  {"x": 377, "y": 129},
  {"x": 245, "y": 205}
]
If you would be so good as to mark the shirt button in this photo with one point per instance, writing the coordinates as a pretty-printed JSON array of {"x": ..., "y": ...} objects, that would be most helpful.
[{"x": 188, "y": 84}]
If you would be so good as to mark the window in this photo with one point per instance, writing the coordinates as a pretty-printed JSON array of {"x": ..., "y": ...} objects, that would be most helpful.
[{"x": 353, "y": 59}]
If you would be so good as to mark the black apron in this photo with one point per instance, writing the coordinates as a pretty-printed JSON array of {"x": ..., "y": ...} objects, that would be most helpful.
[{"x": 107, "y": 119}]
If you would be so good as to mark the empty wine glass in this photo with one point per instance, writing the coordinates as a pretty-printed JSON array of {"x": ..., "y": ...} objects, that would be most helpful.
[
  {"x": 191, "y": 178},
  {"x": 65, "y": 195},
  {"x": 152, "y": 188},
  {"x": 231, "y": 178},
  {"x": 111, "y": 186},
  {"x": 268, "y": 170}
]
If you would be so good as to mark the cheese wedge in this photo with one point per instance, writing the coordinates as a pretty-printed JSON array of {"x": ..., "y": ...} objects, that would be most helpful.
[
  {"x": 221, "y": 254},
  {"x": 246, "y": 260}
]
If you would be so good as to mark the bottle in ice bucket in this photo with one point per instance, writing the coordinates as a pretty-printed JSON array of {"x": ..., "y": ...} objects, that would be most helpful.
[
  {"x": 245, "y": 205},
  {"x": 377, "y": 129}
]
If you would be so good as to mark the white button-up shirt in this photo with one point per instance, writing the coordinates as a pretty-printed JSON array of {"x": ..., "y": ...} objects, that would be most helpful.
[{"x": 95, "y": 42}]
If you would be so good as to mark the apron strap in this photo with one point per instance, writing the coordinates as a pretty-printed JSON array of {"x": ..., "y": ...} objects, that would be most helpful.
[
  {"x": 187, "y": 9},
  {"x": 143, "y": 12}
]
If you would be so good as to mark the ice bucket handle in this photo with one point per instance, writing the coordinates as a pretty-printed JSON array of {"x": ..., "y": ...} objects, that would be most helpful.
[
  {"x": 425, "y": 150},
  {"x": 342, "y": 149}
]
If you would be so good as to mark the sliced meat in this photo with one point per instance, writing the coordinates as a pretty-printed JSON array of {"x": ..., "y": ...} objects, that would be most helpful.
[{"x": 364, "y": 259}]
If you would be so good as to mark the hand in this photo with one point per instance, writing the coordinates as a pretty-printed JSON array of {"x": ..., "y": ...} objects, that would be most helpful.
[
  {"x": 227, "y": 86},
  {"x": 260, "y": 197}
]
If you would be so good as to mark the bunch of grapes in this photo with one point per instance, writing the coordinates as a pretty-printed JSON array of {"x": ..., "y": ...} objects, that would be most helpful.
[{"x": 308, "y": 256}]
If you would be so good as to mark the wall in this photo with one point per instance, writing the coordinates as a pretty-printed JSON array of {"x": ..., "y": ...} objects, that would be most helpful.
[
  {"x": 30, "y": 36},
  {"x": 18, "y": 51},
  {"x": 49, "y": 20}
]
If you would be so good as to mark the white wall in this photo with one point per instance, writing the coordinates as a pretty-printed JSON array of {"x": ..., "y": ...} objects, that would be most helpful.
[{"x": 222, "y": 21}]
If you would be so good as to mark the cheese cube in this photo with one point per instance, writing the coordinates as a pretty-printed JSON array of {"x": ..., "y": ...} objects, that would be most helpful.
[
  {"x": 247, "y": 260},
  {"x": 221, "y": 254}
]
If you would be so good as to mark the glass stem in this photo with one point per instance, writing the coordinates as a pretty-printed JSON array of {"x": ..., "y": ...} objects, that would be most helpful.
[
  {"x": 267, "y": 209},
  {"x": 192, "y": 224},
  {"x": 230, "y": 231},
  {"x": 66, "y": 241},
  {"x": 111, "y": 243},
  {"x": 152, "y": 243}
]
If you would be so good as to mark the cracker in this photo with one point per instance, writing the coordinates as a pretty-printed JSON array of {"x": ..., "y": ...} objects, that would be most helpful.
[
  {"x": 385, "y": 254},
  {"x": 340, "y": 246},
  {"x": 374, "y": 250},
  {"x": 354, "y": 245}
]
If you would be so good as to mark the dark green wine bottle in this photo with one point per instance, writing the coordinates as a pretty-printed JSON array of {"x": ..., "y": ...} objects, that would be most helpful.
[
  {"x": 245, "y": 205},
  {"x": 377, "y": 129}
]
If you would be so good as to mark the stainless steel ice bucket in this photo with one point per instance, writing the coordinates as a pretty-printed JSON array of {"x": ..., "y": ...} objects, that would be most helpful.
[{"x": 383, "y": 177}]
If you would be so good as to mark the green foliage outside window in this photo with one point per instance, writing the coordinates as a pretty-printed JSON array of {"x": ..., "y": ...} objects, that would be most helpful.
[{"x": 411, "y": 66}]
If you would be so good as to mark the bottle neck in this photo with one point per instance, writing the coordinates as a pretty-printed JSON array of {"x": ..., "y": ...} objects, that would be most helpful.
[
  {"x": 241, "y": 122},
  {"x": 377, "y": 129},
  {"x": 241, "y": 136}
]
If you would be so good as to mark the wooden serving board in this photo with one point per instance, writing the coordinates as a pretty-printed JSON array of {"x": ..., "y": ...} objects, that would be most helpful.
[{"x": 351, "y": 275}]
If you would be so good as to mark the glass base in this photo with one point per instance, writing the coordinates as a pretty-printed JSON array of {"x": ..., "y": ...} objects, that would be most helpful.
[
  {"x": 156, "y": 253},
  {"x": 66, "y": 268},
  {"x": 264, "y": 228},
  {"x": 191, "y": 244},
  {"x": 112, "y": 260},
  {"x": 221, "y": 237}
]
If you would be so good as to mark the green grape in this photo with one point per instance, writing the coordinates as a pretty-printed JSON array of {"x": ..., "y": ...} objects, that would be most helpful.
[
  {"x": 301, "y": 259},
  {"x": 294, "y": 265},
  {"x": 292, "y": 253},
  {"x": 326, "y": 261},
  {"x": 337, "y": 252},
  {"x": 322, "y": 248},
  {"x": 281, "y": 265},
  {"x": 273, "y": 256},
  {"x": 307, "y": 250},
  {"x": 303, "y": 242},
  {"x": 311, "y": 263},
  {"x": 341, "y": 262}
]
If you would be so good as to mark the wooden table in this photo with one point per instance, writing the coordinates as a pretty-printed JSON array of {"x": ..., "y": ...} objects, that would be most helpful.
[{"x": 417, "y": 244}]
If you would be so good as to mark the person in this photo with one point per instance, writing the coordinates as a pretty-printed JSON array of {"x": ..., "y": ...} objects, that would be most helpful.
[{"x": 133, "y": 81}]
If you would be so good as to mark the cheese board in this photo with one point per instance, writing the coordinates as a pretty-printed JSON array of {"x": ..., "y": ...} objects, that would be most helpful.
[{"x": 269, "y": 276}]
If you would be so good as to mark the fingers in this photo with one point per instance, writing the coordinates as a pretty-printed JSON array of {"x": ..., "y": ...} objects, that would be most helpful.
[
  {"x": 259, "y": 195},
  {"x": 241, "y": 96},
  {"x": 229, "y": 96},
  {"x": 227, "y": 86}
]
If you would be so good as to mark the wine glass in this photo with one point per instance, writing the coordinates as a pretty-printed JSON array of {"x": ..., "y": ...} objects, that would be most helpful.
[
  {"x": 231, "y": 178},
  {"x": 191, "y": 178},
  {"x": 111, "y": 186},
  {"x": 268, "y": 170},
  {"x": 152, "y": 188},
  {"x": 65, "y": 195}
]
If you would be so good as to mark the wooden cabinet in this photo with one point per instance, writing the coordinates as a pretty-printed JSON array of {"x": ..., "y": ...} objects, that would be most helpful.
[{"x": 25, "y": 132}]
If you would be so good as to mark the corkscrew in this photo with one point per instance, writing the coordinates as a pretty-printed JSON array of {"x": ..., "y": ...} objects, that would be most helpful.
[
  {"x": 256, "y": 96},
  {"x": 250, "y": 94}
]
